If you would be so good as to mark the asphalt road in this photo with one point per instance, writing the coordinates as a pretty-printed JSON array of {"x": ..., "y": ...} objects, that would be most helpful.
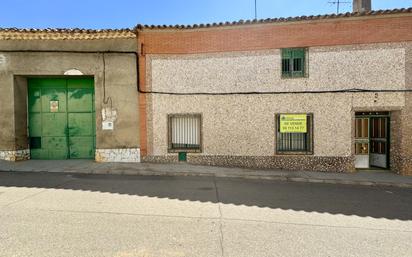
[{"x": 47, "y": 214}]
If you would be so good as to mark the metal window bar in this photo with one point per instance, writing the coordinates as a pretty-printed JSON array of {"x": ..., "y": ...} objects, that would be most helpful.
[
  {"x": 293, "y": 62},
  {"x": 286, "y": 67},
  {"x": 185, "y": 132},
  {"x": 294, "y": 142}
]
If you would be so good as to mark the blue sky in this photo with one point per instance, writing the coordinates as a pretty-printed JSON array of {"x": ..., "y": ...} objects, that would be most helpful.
[{"x": 128, "y": 13}]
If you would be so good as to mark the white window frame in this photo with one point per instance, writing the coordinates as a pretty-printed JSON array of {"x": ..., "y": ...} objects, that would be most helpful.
[{"x": 174, "y": 149}]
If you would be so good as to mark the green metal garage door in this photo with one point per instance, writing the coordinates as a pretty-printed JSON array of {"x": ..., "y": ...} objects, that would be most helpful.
[{"x": 61, "y": 118}]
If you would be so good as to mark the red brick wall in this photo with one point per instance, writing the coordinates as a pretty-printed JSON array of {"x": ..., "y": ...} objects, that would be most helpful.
[
  {"x": 328, "y": 32},
  {"x": 142, "y": 101}
]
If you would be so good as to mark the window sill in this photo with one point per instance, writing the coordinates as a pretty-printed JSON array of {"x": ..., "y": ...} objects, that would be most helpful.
[
  {"x": 293, "y": 153},
  {"x": 294, "y": 77},
  {"x": 184, "y": 150}
]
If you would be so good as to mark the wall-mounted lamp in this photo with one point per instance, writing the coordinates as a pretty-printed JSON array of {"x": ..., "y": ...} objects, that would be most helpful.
[{"x": 73, "y": 72}]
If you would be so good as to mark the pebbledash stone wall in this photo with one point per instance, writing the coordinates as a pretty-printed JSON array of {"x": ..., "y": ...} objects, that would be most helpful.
[
  {"x": 329, "y": 68},
  {"x": 118, "y": 155},
  {"x": 239, "y": 130},
  {"x": 15, "y": 155},
  {"x": 406, "y": 120}
]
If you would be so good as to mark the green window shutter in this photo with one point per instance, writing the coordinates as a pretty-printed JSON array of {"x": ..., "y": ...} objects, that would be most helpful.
[
  {"x": 286, "y": 62},
  {"x": 298, "y": 53},
  {"x": 293, "y": 62},
  {"x": 298, "y": 56},
  {"x": 286, "y": 53}
]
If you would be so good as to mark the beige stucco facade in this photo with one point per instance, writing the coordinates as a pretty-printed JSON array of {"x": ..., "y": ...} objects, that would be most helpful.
[
  {"x": 22, "y": 59},
  {"x": 240, "y": 129}
]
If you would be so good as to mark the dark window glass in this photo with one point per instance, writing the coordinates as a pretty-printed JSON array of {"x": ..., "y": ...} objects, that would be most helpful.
[
  {"x": 378, "y": 147},
  {"x": 297, "y": 65},
  {"x": 286, "y": 66}
]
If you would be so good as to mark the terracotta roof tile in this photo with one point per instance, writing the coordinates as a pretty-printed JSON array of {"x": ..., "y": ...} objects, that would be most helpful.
[
  {"x": 64, "y": 34},
  {"x": 91, "y": 34},
  {"x": 278, "y": 20}
]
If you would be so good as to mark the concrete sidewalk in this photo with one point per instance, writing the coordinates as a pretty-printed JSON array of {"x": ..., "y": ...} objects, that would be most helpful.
[{"x": 365, "y": 178}]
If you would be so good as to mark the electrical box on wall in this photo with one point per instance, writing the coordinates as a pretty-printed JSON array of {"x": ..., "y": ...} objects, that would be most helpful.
[
  {"x": 109, "y": 116},
  {"x": 107, "y": 125}
]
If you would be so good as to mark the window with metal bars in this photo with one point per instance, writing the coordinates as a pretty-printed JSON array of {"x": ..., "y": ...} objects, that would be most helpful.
[
  {"x": 293, "y": 62},
  {"x": 295, "y": 143},
  {"x": 184, "y": 132}
]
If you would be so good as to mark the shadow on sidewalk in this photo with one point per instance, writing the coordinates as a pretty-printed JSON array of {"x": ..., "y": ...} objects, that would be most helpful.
[{"x": 377, "y": 202}]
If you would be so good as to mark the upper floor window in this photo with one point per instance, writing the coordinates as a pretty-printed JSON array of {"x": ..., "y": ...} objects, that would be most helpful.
[{"x": 293, "y": 62}]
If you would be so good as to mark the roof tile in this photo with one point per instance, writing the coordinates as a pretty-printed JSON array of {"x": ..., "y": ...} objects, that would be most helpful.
[
  {"x": 64, "y": 34},
  {"x": 91, "y": 34},
  {"x": 279, "y": 20}
]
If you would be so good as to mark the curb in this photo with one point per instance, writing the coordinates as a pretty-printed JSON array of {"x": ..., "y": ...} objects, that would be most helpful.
[{"x": 239, "y": 176}]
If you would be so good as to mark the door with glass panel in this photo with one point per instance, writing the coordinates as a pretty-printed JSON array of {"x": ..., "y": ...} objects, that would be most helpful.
[
  {"x": 379, "y": 142},
  {"x": 372, "y": 140},
  {"x": 362, "y": 143}
]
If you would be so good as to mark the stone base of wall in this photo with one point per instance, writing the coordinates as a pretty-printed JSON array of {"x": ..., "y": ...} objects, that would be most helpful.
[
  {"x": 15, "y": 155},
  {"x": 405, "y": 167},
  {"x": 292, "y": 163},
  {"x": 161, "y": 159},
  {"x": 118, "y": 155}
]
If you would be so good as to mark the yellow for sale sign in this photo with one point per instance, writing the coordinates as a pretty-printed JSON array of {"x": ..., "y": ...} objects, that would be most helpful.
[{"x": 293, "y": 123}]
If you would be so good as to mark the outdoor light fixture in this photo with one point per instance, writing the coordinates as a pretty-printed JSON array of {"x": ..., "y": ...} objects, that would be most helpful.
[{"x": 73, "y": 72}]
